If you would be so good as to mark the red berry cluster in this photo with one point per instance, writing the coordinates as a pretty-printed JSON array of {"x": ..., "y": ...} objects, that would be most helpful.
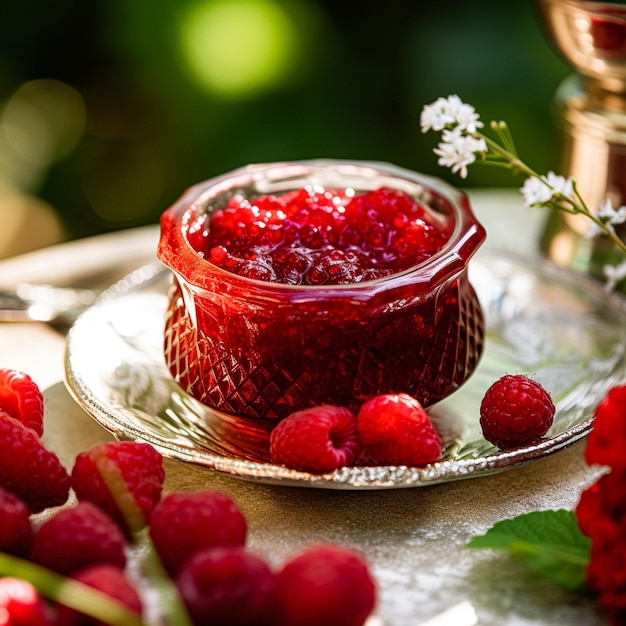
[
  {"x": 388, "y": 429},
  {"x": 601, "y": 510},
  {"x": 315, "y": 236},
  {"x": 27, "y": 468},
  {"x": 515, "y": 411},
  {"x": 199, "y": 538}
]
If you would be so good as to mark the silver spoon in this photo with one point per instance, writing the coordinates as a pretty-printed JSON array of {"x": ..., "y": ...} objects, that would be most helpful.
[{"x": 47, "y": 303}]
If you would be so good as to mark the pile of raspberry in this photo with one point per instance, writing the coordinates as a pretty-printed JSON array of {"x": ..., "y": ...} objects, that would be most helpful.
[
  {"x": 601, "y": 510},
  {"x": 110, "y": 507},
  {"x": 394, "y": 429},
  {"x": 389, "y": 429},
  {"x": 315, "y": 236}
]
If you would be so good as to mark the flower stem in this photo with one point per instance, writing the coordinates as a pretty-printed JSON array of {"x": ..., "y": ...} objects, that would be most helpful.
[
  {"x": 506, "y": 156},
  {"x": 69, "y": 592}
]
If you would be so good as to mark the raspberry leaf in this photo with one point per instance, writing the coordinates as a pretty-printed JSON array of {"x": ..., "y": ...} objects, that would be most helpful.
[{"x": 550, "y": 543}]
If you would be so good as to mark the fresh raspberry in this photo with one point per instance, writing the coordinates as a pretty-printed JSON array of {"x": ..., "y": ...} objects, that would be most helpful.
[
  {"x": 601, "y": 510},
  {"x": 605, "y": 444},
  {"x": 22, "y": 399},
  {"x": 16, "y": 531},
  {"x": 108, "y": 579},
  {"x": 20, "y": 604},
  {"x": 514, "y": 411},
  {"x": 28, "y": 469},
  {"x": 182, "y": 524},
  {"x": 123, "y": 478},
  {"x": 601, "y": 515},
  {"x": 325, "y": 584},
  {"x": 228, "y": 586},
  {"x": 319, "y": 439},
  {"x": 395, "y": 429},
  {"x": 76, "y": 537}
]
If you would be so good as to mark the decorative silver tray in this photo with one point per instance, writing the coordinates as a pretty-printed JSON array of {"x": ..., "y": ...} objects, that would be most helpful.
[{"x": 558, "y": 327}]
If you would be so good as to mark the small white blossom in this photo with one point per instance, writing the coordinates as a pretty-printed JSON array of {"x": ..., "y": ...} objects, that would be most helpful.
[
  {"x": 560, "y": 184},
  {"x": 610, "y": 214},
  {"x": 450, "y": 111},
  {"x": 535, "y": 191},
  {"x": 538, "y": 191},
  {"x": 457, "y": 155},
  {"x": 436, "y": 116},
  {"x": 464, "y": 115},
  {"x": 614, "y": 274}
]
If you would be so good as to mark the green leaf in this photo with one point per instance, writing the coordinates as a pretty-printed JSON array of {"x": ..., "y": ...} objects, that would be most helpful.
[{"x": 550, "y": 543}]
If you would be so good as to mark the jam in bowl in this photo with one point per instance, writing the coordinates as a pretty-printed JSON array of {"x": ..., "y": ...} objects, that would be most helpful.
[{"x": 319, "y": 282}]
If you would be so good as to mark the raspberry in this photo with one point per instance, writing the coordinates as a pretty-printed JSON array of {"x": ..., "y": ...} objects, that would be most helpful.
[
  {"x": 108, "y": 579},
  {"x": 325, "y": 584},
  {"x": 22, "y": 399},
  {"x": 227, "y": 586},
  {"x": 515, "y": 411},
  {"x": 601, "y": 515},
  {"x": 76, "y": 537},
  {"x": 605, "y": 444},
  {"x": 319, "y": 439},
  {"x": 182, "y": 524},
  {"x": 16, "y": 532},
  {"x": 28, "y": 469},
  {"x": 20, "y": 604},
  {"x": 395, "y": 429},
  {"x": 601, "y": 512},
  {"x": 124, "y": 479}
]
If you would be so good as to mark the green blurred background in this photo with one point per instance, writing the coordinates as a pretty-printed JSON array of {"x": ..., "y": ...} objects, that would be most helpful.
[{"x": 109, "y": 109}]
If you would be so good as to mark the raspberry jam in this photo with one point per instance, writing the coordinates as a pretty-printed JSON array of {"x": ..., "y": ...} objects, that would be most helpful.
[
  {"x": 320, "y": 282},
  {"x": 318, "y": 236}
]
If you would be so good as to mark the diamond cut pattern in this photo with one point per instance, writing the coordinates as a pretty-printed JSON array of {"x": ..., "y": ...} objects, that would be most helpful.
[{"x": 430, "y": 368}]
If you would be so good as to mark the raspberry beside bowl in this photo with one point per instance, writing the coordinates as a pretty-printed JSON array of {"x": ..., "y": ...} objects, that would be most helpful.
[{"x": 255, "y": 349}]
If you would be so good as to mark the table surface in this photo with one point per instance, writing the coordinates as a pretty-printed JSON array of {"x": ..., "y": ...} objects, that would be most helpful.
[{"x": 413, "y": 538}]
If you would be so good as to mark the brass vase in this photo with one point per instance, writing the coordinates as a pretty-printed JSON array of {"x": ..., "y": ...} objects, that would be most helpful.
[{"x": 591, "y": 109}]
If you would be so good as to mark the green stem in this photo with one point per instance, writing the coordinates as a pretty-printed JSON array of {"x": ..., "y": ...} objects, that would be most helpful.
[
  {"x": 173, "y": 610},
  {"x": 69, "y": 592},
  {"x": 507, "y": 157},
  {"x": 502, "y": 129}
]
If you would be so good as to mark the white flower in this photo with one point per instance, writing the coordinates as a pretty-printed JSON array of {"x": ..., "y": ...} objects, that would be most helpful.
[
  {"x": 560, "y": 184},
  {"x": 450, "y": 111},
  {"x": 538, "y": 191},
  {"x": 436, "y": 116},
  {"x": 455, "y": 156},
  {"x": 535, "y": 191},
  {"x": 609, "y": 216},
  {"x": 464, "y": 115},
  {"x": 614, "y": 274}
]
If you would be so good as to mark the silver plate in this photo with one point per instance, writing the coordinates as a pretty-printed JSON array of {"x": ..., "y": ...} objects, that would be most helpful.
[{"x": 560, "y": 328}]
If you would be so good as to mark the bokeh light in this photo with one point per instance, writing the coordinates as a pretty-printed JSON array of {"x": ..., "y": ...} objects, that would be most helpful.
[
  {"x": 42, "y": 122},
  {"x": 109, "y": 109},
  {"x": 239, "y": 47}
]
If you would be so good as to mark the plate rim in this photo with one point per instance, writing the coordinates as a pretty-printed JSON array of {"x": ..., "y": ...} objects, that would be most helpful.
[{"x": 370, "y": 477}]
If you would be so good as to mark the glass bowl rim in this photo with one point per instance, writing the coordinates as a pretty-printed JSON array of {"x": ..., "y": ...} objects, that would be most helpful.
[{"x": 448, "y": 262}]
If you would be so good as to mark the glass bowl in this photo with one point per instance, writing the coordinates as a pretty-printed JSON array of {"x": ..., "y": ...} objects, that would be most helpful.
[{"x": 253, "y": 349}]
